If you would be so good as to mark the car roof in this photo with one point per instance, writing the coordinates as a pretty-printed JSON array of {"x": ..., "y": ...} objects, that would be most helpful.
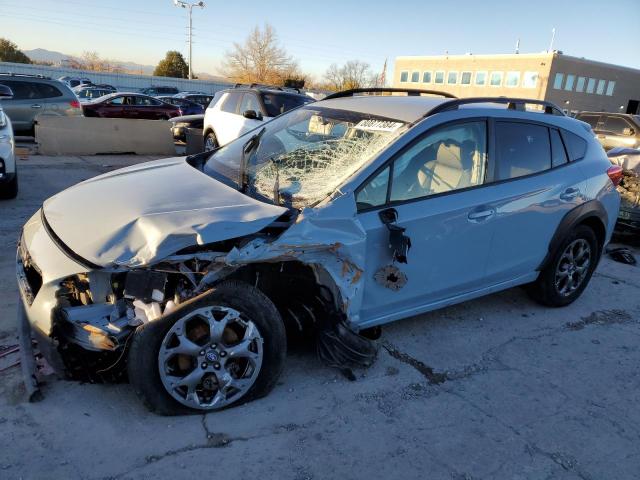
[{"x": 405, "y": 108}]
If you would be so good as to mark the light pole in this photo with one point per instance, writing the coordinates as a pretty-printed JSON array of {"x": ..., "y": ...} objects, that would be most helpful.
[{"x": 180, "y": 3}]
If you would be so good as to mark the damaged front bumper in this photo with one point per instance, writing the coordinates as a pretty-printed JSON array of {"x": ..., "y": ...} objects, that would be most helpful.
[{"x": 41, "y": 268}]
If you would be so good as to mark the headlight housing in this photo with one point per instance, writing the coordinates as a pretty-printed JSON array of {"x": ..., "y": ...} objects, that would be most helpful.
[{"x": 3, "y": 119}]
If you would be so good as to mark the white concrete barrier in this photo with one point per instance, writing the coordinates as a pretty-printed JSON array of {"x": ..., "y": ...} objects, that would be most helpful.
[{"x": 91, "y": 136}]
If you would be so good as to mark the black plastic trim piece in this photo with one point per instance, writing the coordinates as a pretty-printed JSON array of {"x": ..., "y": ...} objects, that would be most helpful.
[{"x": 590, "y": 209}]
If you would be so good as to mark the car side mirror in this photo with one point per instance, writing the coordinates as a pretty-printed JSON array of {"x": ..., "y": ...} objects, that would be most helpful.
[
  {"x": 628, "y": 131},
  {"x": 252, "y": 115},
  {"x": 5, "y": 92}
]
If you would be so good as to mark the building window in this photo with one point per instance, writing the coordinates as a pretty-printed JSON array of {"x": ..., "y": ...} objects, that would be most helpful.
[
  {"x": 557, "y": 83},
  {"x": 530, "y": 80},
  {"x": 568, "y": 86},
  {"x": 439, "y": 77},
  {"x": 481, "y": 78},
  {"x": 452, "y": 78},
  {"x": 465, "y": 78},
  {"x": 580, "y": 84},
  {"x": 426, "y": 77},
  {"x": 415, "y": 77},
  {"x": 610, "y": 87},
  {"x": 404, "y": 76},
  {"x": 513, "y": 79},
  {"x": 496, "y": 79},
  {"x": 600, "y": 89}
]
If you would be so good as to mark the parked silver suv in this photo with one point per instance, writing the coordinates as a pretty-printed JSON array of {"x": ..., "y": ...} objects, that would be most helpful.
[{"x": 35, "y": 95}]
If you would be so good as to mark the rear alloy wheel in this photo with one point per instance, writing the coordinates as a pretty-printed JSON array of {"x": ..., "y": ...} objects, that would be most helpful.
[
  {"x": 210, "y": 142},
  {"x": 222, "y": 348},
  {"x": 566, "y": 275}
]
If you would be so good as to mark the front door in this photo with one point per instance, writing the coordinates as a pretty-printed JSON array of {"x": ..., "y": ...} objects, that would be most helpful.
[
  {"x": 250, "y": 103},
  {"x": 438, "y": 195}
]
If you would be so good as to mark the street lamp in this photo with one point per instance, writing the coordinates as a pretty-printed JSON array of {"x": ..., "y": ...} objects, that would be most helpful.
[{"x": 180, "y": 3}]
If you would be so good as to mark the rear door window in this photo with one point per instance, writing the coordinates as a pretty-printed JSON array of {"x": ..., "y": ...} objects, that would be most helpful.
[
  {"x": 615, "y": 125},
  {"x": 44, "y": 90},
  {"x": 590, "y": 119},
  {"x": 280, "y": 103},
  {"x": 522, "y": 149},
  {"x": 231, "y": 102}
]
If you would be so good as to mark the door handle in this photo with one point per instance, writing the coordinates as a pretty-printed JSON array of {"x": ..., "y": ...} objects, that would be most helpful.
[
  {"x": 481, "y": 215},
  {"x": 36, "y": 106},
  {"x": 569, "y": 194}
]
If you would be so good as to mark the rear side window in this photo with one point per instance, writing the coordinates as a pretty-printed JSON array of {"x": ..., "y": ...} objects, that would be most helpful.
[
  {"x": 522, "y": 149},
  {"x": 558, "y": 153},
  {"x": 590, "y": 119},
  {"x": 576, "y": 146},
  {"x": 44, "y": 90},
  {"x": 231, "y": 102}
]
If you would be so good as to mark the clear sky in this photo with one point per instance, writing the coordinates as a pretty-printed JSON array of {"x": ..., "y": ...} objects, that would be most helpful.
[{"x": 326, "y": 31}]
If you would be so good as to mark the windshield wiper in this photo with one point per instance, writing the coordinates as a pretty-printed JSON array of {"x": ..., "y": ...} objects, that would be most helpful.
[{"x": 247, "y": 149}]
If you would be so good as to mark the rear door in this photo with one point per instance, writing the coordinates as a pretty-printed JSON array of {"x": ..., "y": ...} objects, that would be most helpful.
[
  {"x": 536, "y": 186},
  {"x": 227, "y": 123},
  {"x": 438, "y": 195},
  {"x": 53, "y": 101},
  {"x": 24, "y": 106}
]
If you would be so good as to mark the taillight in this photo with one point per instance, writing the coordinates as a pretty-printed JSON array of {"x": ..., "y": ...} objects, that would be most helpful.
[
  {"x": 74, "y": 103},
  {"x": 615, "y": 174}
]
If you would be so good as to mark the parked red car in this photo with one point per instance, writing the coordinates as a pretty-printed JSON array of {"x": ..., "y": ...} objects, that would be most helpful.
[{"x": 130, "y": 105}]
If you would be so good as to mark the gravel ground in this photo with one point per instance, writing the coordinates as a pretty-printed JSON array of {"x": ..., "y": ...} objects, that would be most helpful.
[{"x": 528, "y": 392}]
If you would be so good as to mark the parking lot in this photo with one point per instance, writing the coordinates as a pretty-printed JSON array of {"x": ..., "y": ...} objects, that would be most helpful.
[{"x": 498, "y": 387}]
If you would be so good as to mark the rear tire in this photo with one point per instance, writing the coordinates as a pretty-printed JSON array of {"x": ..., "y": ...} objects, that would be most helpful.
[
  {"x": 567, "y": 274},
  {"x": 151, "y": 339},
  {"x": 9, "y": 190}
]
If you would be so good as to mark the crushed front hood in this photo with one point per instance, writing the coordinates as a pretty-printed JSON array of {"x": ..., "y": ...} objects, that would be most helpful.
[{"x": 141, "y": 214}]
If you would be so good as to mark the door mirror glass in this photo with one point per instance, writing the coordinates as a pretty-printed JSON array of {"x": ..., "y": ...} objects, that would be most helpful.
[{"x": 251, "y": 115}]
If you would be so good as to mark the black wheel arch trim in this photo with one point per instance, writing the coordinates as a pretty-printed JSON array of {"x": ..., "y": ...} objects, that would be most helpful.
[{"x": 590, "y": 209}]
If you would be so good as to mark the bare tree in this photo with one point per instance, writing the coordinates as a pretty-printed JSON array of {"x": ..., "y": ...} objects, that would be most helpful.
[
  {"x": 260, "y": 59},
  {"x": 93, "y": 62},
  {"x": 353, "y": 74}
]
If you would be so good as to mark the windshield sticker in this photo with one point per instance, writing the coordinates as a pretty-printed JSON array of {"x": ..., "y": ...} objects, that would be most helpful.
[{"x": 377, "y": 125}]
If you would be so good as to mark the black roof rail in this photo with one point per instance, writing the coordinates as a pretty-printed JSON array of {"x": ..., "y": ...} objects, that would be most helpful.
[
  {"x": 408, "y": 91},
  {"x": 257, "y": 85},
  {"x": 550, "y": 108},
  {"x": 29, "y": 75}
]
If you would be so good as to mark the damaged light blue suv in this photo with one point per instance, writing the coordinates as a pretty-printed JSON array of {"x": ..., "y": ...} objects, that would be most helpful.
[{"x": 188, "y": 275}]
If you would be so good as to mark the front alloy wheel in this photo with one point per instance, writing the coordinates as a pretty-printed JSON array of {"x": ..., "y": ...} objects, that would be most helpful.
[
  {"x": 210, "y": 358},
  {"x": 572, "y": 267}
]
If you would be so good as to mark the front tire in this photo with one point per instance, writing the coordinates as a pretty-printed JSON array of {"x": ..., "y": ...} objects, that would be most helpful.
[
  {"x": 210, "y": 142},
  {"x": 9, "y": 190},
  {"x": 223, "y": 348},
  {"x": 567, "y": 274}
]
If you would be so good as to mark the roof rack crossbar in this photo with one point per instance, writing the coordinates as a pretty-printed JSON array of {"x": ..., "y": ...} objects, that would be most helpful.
[
  {"x": 550, "y": 108},
  {"x": 409, "y": 91}
]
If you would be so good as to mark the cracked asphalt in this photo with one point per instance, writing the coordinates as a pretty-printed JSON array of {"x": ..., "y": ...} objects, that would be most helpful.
[{"x": 499, "y": 387}]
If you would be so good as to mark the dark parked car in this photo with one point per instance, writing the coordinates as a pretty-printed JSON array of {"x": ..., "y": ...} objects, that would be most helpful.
[
  {"x": 201, "y": 98},
  {"x": 179, "y": 126},
  {"x": 614, "y": 129},
  {"x": 187, "y": 106},
  {"x": 157, "y": 91},
  {"x": 130, "y": 105}
]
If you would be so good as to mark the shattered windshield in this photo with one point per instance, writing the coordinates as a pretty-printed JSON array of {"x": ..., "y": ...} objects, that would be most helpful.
[{"x": 303, "y": 156}]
